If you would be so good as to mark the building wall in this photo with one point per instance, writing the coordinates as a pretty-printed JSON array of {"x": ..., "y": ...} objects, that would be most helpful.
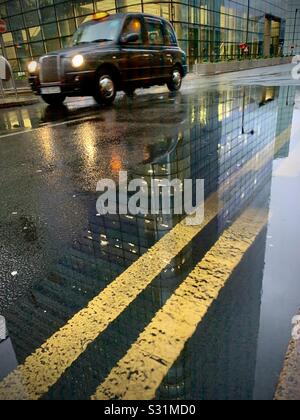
[
  {"x": 293, "y": 28},
  {"x": 208, "y": 30}
]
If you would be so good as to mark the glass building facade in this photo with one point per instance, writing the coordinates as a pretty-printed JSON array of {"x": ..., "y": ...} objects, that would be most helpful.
[
  {"x": 208, "y": 30},
  {"x": 292, "y": 36}
]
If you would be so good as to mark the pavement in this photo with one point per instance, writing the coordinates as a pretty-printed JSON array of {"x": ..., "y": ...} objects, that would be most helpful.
[
  {"x": 22, "y": 97},
  {"x": 267, "y": 76},
  {"x": 130, "y": 306}
]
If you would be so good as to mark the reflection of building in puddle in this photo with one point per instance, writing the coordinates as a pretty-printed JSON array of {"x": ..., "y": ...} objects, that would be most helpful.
[
  {"x": 284, "y": 121},
  {"x": 16, "y": 119},
  {"x": 219, "y": 361},
  {"x": 235, "y": 167},
  {"x": 245, "y": 160}
]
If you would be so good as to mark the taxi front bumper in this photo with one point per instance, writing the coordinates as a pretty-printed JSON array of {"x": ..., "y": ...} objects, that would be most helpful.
[{"x": 72, "y": 84}]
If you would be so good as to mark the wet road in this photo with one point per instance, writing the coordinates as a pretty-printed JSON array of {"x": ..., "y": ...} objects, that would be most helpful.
[{"x": 146, "y": 307}]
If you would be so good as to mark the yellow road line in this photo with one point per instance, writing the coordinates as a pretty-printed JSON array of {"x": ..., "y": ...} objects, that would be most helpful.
[
  {"x": 139, "y": 374},
  {"x": 47, "y": 364}
]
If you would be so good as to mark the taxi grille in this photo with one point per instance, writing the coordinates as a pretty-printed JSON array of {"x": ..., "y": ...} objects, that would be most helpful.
[{"x": 50, "y": 69}]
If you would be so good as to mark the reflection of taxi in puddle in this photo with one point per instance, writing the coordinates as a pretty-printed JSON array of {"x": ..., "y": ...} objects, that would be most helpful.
[{"x": 110, "y": 54}]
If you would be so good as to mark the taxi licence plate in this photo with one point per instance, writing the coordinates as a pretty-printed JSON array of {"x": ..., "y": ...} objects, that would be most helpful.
[{"x": 53, "y": 90}]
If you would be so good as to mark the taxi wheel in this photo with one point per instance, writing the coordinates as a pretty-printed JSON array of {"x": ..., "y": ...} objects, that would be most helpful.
[
  {"x": 54, "y": 99},
  {"x": 176, "y": 80},
  {"x": 105, "y": 89}
]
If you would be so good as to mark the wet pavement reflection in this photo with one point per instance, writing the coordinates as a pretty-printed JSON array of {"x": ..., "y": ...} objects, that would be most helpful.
[{"x": 142, "y": 306}]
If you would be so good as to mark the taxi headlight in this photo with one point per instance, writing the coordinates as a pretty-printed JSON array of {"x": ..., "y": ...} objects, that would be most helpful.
[
  {"x": 32, "y": 66},
  {"x": 77, "y": 61}
]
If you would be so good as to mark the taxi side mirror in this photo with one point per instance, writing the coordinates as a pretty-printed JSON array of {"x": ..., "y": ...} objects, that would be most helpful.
[{"x": 130, "y": 38}]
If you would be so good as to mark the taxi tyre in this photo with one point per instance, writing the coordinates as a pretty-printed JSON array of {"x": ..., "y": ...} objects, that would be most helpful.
[
  {"x": 107, "y": 94},
  {"x": 174, "y": 85},
  {"x": 56, "y": 99}
]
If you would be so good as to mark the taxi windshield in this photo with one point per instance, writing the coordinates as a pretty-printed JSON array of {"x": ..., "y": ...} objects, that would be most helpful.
[{"x": 98, "y": 31}]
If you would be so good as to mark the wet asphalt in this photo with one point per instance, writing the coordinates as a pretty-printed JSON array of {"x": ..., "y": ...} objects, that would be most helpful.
[{"x": 50, "y": 162}]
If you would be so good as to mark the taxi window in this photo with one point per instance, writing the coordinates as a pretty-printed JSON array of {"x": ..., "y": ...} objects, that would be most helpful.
[
  {"x": 170, "y": 36},
  {"x": 133, "y": 25},
  {"x": 94, "y": 31},
  {"x": 155, "y": 32}
]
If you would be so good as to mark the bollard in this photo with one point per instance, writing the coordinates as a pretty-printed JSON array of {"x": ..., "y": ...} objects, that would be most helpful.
[{"x": 6, "y": 75}]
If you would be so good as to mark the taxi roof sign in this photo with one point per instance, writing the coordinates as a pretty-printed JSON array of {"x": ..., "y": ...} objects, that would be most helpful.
[{"x": 100, "y": 15}]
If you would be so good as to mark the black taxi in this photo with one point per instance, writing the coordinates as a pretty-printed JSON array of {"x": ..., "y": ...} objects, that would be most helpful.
[{"x": 111, "y": 53}]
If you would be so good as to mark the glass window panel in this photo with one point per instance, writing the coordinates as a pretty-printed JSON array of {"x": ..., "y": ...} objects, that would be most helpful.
[
  {"x": 16, "y": 22},
  {"x": 135, "y": 8},
  {"x": 29, "y": 4},
  {"x": 84, "y": 7},
  {"x": 11, "y": 53},
  {"x": 181, "y": 30},
  {"x": 37, "y": 49},
  {"x": 66, "y": 41},
  {"x": 105, "y": 5},
  {"x": 14, "y": 65},
  {"x": 31, "y": 18},
  {"x": 67, "y": 27},
  {"x": 13, "y": 7},
  {"x": 153, "y": 9},
  {"x": 35, "y": 34},
  {"x": 20, "y": 36},
  {"x": 53, "y": 45},
  {"x": 3, "y": 11},
  {"x": 45, "y": 3},
  {"x": 157, "y": 8},
  {"x": 64, "y": 11},
  {"x": 23, "y": 51},
  {"x": 50, "y": 30},
  {"x": 24, "y": 62},
  {"x": 8, "y": 39},
  {"x": 47, "y": 15},
  {"x": 128, "y": 6}
]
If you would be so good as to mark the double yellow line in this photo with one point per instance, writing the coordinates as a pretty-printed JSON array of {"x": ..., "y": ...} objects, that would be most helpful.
[
  {"x": 47, "y": 364},
  {"x": 139, "y": 374}
]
